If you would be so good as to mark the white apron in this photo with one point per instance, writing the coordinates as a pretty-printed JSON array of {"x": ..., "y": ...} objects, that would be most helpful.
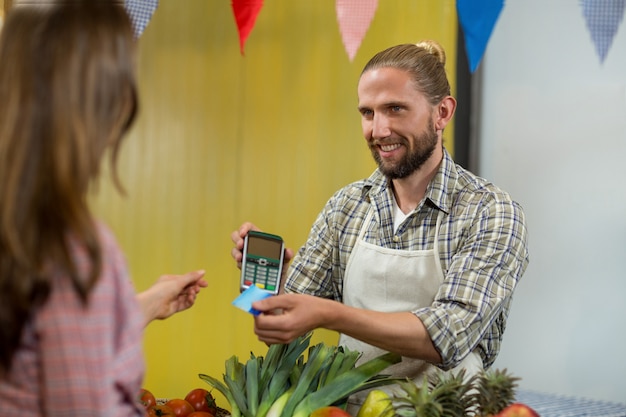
[{"x": 391, "y": 280}]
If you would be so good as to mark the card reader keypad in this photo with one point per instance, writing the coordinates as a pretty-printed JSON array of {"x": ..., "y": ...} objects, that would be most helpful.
[{"x": 266, "y": 274}]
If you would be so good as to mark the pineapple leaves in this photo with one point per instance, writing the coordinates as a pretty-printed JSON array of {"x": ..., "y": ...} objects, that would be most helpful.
[{"x": 456, "y": 395}]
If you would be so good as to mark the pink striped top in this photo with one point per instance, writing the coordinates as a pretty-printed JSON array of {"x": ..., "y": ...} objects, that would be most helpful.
[{"x": 81, "y": 361}]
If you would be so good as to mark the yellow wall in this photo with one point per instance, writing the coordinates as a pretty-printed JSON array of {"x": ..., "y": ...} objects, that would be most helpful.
[{"x": 223, "y": 138}]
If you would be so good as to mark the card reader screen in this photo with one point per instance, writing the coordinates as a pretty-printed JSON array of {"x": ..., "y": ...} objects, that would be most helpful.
[{"x": 264, "y": 248}]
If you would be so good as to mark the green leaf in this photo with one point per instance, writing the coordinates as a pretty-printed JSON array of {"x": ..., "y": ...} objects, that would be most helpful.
[
  {"x": 235, "y": 412},
  {"x": 346, "y": 384},
  {"x": 319, "y": 355},
  {"x": 252, "y": 385},
  {"x": 236, "y": 381},
  {"x": 283, "y": 359}
]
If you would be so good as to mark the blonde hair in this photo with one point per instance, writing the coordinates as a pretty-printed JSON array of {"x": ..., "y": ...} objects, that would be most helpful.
[{"x": 425, "y": 61}]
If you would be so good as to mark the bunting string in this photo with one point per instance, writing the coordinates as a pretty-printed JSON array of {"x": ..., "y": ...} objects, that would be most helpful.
[{"x": 354, "y": 17}]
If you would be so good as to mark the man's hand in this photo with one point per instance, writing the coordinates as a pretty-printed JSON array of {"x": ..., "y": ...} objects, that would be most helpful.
[
  {"x": 238, "y": 237},
  {"x": 285, "y": 317}
]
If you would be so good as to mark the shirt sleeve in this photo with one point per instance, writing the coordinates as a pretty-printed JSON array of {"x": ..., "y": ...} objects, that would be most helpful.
[
  {"x": 471, "y": 307},
  {"x": 311, "y": 268},
  {"x": 318, "y": 267},
  {"x": 91, "y": 357}
]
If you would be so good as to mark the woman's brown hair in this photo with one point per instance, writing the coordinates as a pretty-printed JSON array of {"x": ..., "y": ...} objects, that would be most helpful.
[{"x": 67, "y": 97}]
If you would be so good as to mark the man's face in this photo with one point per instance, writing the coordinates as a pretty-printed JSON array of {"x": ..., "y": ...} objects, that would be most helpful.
[{"x": 397, "y": 121}]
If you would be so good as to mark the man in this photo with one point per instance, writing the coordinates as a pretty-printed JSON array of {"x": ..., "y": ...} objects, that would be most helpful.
[{"x": 421, "y": 258}]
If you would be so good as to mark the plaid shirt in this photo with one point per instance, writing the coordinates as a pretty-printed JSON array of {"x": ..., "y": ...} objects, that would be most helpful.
[
  {"x": 482, "y": 247},
  {"x": 80, "y": 361}
]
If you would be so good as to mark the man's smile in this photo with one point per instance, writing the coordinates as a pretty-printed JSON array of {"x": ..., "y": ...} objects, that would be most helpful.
[{"x": 389, "y": 147}]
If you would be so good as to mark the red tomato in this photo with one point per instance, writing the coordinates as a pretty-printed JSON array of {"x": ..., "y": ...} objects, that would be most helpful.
[
  {"x": 180, "y": 407},
  {"x": 146, "y": 398},
  {"x": 202, "y": 400},
  {"x": 330, "y": 411},
  {"x": 201, "y": 414},
  {"x": 160, "y": 411}
]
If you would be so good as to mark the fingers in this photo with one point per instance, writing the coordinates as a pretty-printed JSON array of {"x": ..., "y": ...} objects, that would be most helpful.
[
  {"x": 237, "y": 255},
  {"x": 193, "y": 279},
  {"x": 289, "y": 253},
  {"x": 237, "y": 237},
  {"x": 269, "y": 304},
  {"x": 275, "y": 337},
  {"x": 276, "y": 325}
]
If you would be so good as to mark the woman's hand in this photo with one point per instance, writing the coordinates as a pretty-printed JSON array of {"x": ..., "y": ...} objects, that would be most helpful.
[{"x": 170, "y": 295}]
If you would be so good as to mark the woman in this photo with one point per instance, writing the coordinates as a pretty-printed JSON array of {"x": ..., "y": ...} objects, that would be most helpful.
[{"x": 70, "y": 322}]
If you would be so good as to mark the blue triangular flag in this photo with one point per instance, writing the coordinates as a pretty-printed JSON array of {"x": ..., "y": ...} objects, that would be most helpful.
[
  {"x": 140, "y": 12},
  {"x": 478, "y": 18},
  {"x": 603, "y": 18}
]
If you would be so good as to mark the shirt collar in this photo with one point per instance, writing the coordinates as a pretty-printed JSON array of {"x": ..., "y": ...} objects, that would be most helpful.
[{"x": 441, "y": 187}]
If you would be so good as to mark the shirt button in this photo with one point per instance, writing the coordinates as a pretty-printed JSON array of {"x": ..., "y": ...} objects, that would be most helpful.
[{"x": 396, "y": 238}]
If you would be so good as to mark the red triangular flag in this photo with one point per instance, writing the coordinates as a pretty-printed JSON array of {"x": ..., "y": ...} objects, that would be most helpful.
[{"x": 245, "y": 12}]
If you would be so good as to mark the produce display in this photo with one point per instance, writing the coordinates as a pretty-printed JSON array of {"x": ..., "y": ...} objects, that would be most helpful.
[
  {"x": 488, "y": 394},
  {"x": 197, "y": 403},
  {"x": 285, "y": 384}
]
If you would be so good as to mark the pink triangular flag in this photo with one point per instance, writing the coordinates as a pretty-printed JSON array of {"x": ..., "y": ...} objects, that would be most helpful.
[
  {"x": 246, "y": 12},
  {"x": 354, "y": 17}
]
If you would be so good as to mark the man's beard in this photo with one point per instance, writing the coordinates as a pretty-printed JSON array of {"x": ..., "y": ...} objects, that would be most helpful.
[{"x": 413, "y": 160}]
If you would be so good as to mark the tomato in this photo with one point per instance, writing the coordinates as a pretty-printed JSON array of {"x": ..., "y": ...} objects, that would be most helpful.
[
  {"x": 180, "y": 407},
  {"x": 146, "y": 398},
  {"x": 202, "y": 400},
  {"x": 330, "y": 411},
  {"x": 201, "y": 414},
  {"x": 160, "y": 411}
]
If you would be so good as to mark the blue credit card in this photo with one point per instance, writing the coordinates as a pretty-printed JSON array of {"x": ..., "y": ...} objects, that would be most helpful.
[{"x": 245, "y": 299}]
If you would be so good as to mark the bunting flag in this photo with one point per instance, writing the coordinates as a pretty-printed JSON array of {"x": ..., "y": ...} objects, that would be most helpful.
[
  {"x": 354, "y": 17},
  {"x": 603, "y": 18},
  {"x": 478, "y": 18},
  {"x": 246, "y": 12},
  {"x": 140, "y": 12}
]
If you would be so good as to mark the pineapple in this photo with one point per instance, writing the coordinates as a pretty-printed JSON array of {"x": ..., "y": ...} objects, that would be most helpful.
[
  {"x": 453, "y": 392},
  {"x": 494, "y": 390},
  {"x": 445, "y": 395},
  {"x": 454, "y": 395}
]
